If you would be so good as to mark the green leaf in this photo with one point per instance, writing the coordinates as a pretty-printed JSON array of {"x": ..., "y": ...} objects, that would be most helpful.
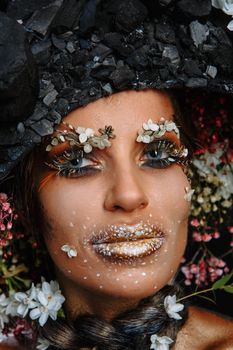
[
  {"x": 228, "y": 289},
  {"x": 220, "y": 283}
]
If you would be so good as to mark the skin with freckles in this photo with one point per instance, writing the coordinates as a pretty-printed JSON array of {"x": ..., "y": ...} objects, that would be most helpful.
[{"x": 120, "y": 188}]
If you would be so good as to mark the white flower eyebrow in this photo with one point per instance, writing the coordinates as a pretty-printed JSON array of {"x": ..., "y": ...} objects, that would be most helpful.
[{"x": 83, "y": 138}]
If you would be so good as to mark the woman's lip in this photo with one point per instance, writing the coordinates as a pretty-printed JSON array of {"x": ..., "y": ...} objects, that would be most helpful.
[
  {"x": 127, "y": 250},
  {"x": 126, "y": 233},
  {"x": 128, "y": 241}
]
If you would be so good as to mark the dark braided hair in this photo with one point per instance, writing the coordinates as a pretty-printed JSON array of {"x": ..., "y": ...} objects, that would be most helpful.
[{"x": 129, "y": 331}]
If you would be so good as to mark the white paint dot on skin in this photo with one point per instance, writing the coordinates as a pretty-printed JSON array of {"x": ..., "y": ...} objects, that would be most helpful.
[
  {"x": 135, "y": 282},
  {"x": 71, "y": 224},
  {"x": 84, "y": 227},
  {"x": 85, "y": 277},
  {"x": 130, "y": 274},
  {"x": 85, "y": 261},
  {"x": 143, "y": 274},
  {"x": 155, "y": 287},
  {"x": 98, "y": 275},
  {"x": 150, "y": 215},
  {"x": 143, "y": 263},
  {"x": 101, "y": 287},
  {"x": 117, "y": 279}
]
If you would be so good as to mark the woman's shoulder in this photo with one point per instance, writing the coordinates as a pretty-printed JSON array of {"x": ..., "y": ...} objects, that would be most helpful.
[{"x": 205, "y": 330}]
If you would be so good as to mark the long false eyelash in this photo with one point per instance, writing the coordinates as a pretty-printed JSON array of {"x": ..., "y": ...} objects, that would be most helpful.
[
  {"x": 176, "y": 154},
  {"x": 61, "y": 162}
]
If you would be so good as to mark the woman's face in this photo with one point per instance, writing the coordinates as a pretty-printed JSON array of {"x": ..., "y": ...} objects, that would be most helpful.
[{"x": 126, "y": 215}]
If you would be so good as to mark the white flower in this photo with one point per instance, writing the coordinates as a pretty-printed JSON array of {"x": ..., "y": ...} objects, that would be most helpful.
[
  {"x": 50, "y": 301},
  {"x": 26, "y": 301},
  {"x": 160, "y": 343},
  {"x": 69, "y": 250},
  {"x": 12, "y": 306},
  {"x": 42, "y": 344},
  {"x": 87, "y": 148},
  {"x": 3, "y": 304},
  {"x": 3, "y": 337},
  {"x": 172, "y": 307},
  {"x": 227, "y": 7},
  {"x": 188, "y": 194},
  {"x": 84, "y": 134}
]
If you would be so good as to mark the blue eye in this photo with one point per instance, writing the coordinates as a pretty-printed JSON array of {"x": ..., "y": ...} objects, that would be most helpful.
[
  {"x": 74, "y": 164},
  {"x": 161, "y": 154}
]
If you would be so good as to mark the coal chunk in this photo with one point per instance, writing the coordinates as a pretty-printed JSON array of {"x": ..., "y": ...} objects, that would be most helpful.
[
  {"x": 43, "y": 128},
  {"x": 194, "y": 8},
  {"x": 41, "y": 21},
  {"x": 196, "y": 83},
  {"x": 41, "y": 51},
  {"x": 23, "y": 9},
  {"x": 191, "y": 68},
  {"x": 130, "y": 14},
  {"x": 211, "y": 71},
  {"x": 165, "y": 33},
  {"x": 68, "y": 15},
  {"x": 88, "y": 17},
  {"x": 122, "y": 77},
  {"x": 139, "y": 58},
  {"x": 171, "y": 53},
  {"x": 199, "y": 32},
  {"x": 18, "y": 72}
]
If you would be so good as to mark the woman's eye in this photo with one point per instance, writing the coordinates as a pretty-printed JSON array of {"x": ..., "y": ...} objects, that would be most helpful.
[
  {"x": 161, "y": 154},
  {"x": 71, "y": 165}
]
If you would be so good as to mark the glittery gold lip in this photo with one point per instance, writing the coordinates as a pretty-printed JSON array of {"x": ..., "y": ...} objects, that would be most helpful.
[
  {"x": 128, "y": 241},
  {"x": 129, "y": 249}
]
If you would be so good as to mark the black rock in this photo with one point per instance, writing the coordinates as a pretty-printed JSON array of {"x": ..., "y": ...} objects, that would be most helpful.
[
  {"x": 191, "y": 68},
  {"x": 41, "y": 51},
  {"x": 139, "y": 58},
  {"x": 211, "y": 71},
  {"x": 43, "y": 128},
  {"x": 31, "y": 138},
  {"x": 23, "y": 9},
  {"x": 165, "y": 33},
  {"x": 196, "y": 83},
  {"x": 58, "y": 42},
  {"x": 18, "y": 72},
  {"x": 41, "y": 21},
  {"x": 199, "y": 32},
  {"x": 87, "y": 18},
  {"x": 130, "y": 14},
  {"x": 121, "y": 77},
  {"x": 68, "y": 15},
  {"x": 194, "y": 8},
  {"x": 221, "y": 57},
  {"x": 171, "y": 53},
  {"x": 115, "y": 41},
  {"x": 100, "y": 52},
  {"x": 102, "y": 72}
]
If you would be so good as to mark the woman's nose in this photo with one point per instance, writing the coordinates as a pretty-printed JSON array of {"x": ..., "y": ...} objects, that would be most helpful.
[{"x": 126, "y": 191}]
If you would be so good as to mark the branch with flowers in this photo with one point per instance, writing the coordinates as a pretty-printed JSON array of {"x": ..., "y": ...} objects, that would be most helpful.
[{"x": 211, "y": 173}]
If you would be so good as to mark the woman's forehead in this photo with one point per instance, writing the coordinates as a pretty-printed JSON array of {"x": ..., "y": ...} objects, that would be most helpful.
[{"x": 124, "y": 109}]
